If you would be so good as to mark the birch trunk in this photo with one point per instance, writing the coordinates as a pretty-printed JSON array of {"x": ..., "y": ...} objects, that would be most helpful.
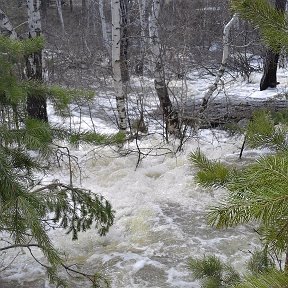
[
  {"x": 6, "y": 26},
  {"x": 116, "y": 64},
  {"x": 226, "y": 32},
  {"x": 44, "y": 7},
  {"x": 143, "y": 26},
  {"x": 170, "y": 116},
  {"x": 106, "y": 40},
  {"x": 36, "y": 104},
  {"x": 124, "y": 40},
  {"x": 60, "y": 14}
]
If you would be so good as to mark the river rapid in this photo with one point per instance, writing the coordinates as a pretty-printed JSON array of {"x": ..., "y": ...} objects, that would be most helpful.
[{"x": 160, "y": 218}]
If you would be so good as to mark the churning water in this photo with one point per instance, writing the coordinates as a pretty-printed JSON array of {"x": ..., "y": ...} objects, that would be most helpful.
[{"x": 160, "y": 220}]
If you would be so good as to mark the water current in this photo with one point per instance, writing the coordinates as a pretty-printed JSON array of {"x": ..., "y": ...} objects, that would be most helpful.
[{"x": 160, "y": 220}]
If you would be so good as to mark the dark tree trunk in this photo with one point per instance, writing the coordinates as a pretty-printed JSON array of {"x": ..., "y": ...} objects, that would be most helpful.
[
  {"x": 124, "y": 5},
  {"x": 36, "y": 107},
  {"x": 36, "y": 102},
  {"x": 170, "y": 115},
  {"x": 269, "y": 78}
]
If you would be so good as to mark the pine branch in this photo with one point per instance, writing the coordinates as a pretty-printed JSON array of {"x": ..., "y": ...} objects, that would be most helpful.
[
  {"x": 213, "y": 272},
  {"x": 258, "y": 193},
  {"x": 211, "y": 172},
  {"x": 275, "y": 279},
  {"x": 261, "y": 132},
  {"x": 24, "y": 144},
  {"x": 271, "y": 22},
  {"x": 85, "y": 210}
]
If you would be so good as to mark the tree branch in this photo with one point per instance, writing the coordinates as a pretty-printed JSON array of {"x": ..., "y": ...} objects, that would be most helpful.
[{"x": 19, "y": 246}]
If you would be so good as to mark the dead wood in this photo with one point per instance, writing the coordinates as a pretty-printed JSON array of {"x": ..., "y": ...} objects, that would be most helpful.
[{"x": 222, "y": 111}]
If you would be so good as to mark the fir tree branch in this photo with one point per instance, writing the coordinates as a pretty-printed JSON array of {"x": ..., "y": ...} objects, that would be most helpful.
[{"x": 271, "y": 22}]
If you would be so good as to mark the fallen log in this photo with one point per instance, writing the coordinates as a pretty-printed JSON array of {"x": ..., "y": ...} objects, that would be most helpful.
[{"x": 222, "y": 111}]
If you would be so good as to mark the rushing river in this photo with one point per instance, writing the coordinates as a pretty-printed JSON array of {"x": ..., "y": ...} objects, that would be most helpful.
[{"x": 160, "y": 220}]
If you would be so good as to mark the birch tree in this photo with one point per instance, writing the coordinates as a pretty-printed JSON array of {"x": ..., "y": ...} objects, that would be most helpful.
[
  {"x": 106, "y": 40},
  {"x": 226, "y": 32},
  {"x": 6, "y": 26},
  {"x": 84, "y": 13},
  {"x": 36, "y": 104},
  {"x": 170, "y": 116},
  {"x": 124, "y": 7},
  {"x": 142, "y": 6},
  {"x": 116, "y": 64},
  {"x": 28, "y": 206},
  {"x": 60, "y": 14},
  {"x": 44, "y": 7}
]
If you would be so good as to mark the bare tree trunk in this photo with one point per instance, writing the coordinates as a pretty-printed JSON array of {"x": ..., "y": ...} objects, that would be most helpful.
[
  {"x": 36, "y": 104},
  {"x": 106, "y": 40},
  {"x": 124, "y": 40},
  {"x": 60, "y": 14},
  {"x": 142, "y": 4},
  {"x": 170, "y": 116},
  {"x": 116, "y": 64},
  {"x": 84, "y": 13},
  {"x": 269, "y": 78},
  {"x": 6, "y": 26},
  {"x": 226, "y": 32},
  {"x": 44, "y": 7}
]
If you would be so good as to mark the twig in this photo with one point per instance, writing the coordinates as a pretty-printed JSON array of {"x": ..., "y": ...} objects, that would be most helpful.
[{"x": 18, "y": 246}]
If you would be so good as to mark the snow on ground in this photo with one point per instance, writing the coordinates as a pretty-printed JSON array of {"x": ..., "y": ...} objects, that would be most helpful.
[{"x": 160, "y": 211}]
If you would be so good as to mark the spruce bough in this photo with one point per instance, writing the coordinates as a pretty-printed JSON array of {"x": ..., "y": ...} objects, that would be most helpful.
[
  {"x": 28, "y": 148},
  {"x": 257, "y": 192}
]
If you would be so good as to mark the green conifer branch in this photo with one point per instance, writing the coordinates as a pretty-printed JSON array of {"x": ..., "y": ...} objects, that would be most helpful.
[
  {"x": 210, "y": 172},
  {"x": 24, "y": 145},
  {"x": 275, "y": 279},
  {"x": 213, "y": 272},
  {"x": 271, "y": 22}
]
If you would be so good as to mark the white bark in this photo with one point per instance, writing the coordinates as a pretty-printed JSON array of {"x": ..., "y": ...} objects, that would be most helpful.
[
  {"x": 124, "y": 6},
  {"x": 36, "y": 105},
  {"x": 34, "y": 18},
  {"x": 60, "y": 14},
  {"x": 106, "y": 40},
  {"x": 170, "y": 116},
  {"x": 116, "y": 64},
  {"x": 142, "y": 4},
  {"x": 142, "y": 12},
  {"x": 6, "y": 25},
  {"x": 154, "y": 34},
  {"x": 35, "y": 30},
  {"x": 226, "y": 32}
]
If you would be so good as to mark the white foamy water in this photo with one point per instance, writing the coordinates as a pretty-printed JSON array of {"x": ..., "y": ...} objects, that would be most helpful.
[
  {"x": 160, "y": 220},
  {"x": 160, "y": 211}
]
